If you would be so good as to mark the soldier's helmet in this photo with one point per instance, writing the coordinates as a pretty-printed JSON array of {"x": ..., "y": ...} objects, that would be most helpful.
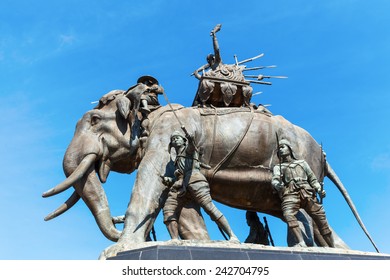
[
  {"x": 178, "y": 133},
  {"x": 147, "y": 80},
  {"x": 288, "y": 144}
]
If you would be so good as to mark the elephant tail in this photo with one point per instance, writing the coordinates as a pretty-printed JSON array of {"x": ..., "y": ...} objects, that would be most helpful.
[{"x": 331, "y": 174}]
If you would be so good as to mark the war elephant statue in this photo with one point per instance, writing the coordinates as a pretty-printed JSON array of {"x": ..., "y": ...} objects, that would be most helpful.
[{"x": 239, "y": 144}]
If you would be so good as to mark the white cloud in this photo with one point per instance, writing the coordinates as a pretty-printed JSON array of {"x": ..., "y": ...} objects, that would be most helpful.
[
  {"x": 381, "y": 162},
  {"x": 66, "y": 39}
]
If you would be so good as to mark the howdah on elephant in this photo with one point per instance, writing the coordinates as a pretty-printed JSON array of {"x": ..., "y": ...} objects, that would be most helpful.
[{"x": 239, "y": 144}]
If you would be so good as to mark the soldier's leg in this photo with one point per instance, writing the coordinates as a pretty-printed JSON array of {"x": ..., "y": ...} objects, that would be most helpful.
[
  {"x": 173, "y": 228},
  {"x": 329, "y": 239},
  {"x": 290, "y": 207},
  {"x": 200, "y": 191},
  {"x": 224, "y": 225},
  {"x": 317, "y": 213},
  {"x": 171, "y": 212}
]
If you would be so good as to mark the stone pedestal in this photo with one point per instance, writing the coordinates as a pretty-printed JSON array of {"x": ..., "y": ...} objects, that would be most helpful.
[{"x": 228, "y": 251}]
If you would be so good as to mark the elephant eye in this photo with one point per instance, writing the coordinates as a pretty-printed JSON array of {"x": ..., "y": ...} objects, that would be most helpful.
[{"x": 95, "y": 119}]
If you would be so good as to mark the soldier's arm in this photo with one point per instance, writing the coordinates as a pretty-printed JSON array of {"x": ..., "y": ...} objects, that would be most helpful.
[
  {"x": 157, "y": 89},
  {"x": 191, "y": 148},
  {"x": 136, "y": 90},
  {"x": 311, "y": 178},
  {"x": 276, "y": 176},
  {"x": 200, "y": 69},
  {"x": 217, "y": 53}
]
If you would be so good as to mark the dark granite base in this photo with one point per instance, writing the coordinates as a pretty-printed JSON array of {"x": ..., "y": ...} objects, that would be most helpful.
[{"x": 160, "y": 252}]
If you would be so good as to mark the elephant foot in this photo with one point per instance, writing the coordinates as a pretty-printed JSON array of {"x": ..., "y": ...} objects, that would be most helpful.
[
  {"x": 118, "y": 247},
  {"x": 175, "y": 242},
  {"x": 300, "y": 244},
  {"x": 233, "y": 239},
  {"x": 111, "y": 251}
]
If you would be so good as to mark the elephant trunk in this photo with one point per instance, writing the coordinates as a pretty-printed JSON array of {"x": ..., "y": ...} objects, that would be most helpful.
[
  {"x": 87, "y": 185},
  {"x": 91, "y": 191}
]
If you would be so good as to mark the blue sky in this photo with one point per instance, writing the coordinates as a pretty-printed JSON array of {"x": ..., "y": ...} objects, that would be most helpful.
[{"x": 56, "y": 57}]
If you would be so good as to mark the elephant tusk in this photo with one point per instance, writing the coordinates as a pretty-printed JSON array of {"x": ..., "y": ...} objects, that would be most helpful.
[
  {"x": 72, "y": 200},
  {"x": 74, "y": 177}
]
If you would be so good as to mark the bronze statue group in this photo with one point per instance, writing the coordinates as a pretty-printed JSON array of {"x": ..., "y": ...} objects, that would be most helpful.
[{"x": 292, "y": 178}]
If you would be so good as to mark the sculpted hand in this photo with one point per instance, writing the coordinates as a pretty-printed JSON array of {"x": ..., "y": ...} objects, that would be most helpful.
[
  {"x": 281, "y": 190},
  {"x": 166, "y": 180},
  {"x": 278, "y": 189},
  {"x": 155, "y": 88},
  {"x": 190, "y": 137},
  {"x": 322, "y": 193},
  {"x": 280, "y": 186}
]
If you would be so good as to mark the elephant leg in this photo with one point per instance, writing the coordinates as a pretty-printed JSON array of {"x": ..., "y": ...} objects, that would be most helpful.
[{"x": 191, "y": 223}]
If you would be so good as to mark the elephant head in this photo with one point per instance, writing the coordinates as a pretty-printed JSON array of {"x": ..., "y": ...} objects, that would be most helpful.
[{"x": 103, "y": 141}]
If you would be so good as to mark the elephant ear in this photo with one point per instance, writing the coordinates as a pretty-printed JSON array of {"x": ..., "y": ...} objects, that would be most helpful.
[{"x": 123, "y": 104}]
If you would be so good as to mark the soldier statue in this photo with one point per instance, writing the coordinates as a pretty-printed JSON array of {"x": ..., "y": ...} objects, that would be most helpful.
[
  {"x": 189, "y": 183},
  {"x": 223, "y": 85},
  {"x": 145, "y": 94},
  {"x": 297, "y": 186},
  {"x": 257, "y": 233}
]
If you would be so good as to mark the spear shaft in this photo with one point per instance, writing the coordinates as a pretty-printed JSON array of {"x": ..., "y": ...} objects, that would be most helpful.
[
  {"x": 322, "y": 175},
  {"x": 268, "y": 231},
  {"x": 258, "y": 68},
  {"x": 250, "y": 59},
  {"x": 260, "y": 82}
]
